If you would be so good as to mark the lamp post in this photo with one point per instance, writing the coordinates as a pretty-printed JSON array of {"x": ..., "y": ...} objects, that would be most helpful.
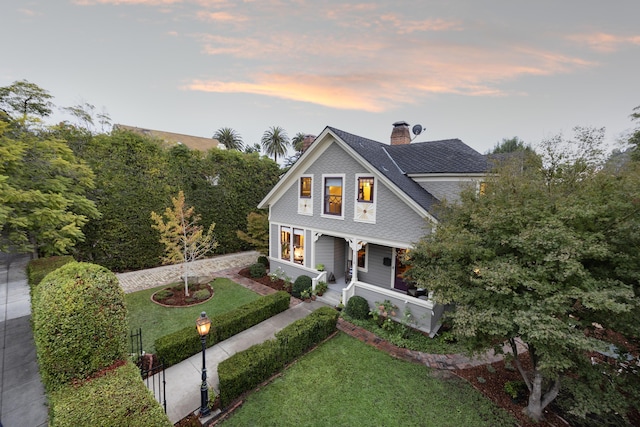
[{"x": 203, "y": 324}]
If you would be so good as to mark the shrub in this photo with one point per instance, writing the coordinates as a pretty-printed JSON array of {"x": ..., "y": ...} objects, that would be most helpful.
[
  {"x": 37, "y": 269},
  {"x": 164, "y": 294},
  {"x": 302, "y": 283},
  {"x": 129, "y": 402},
  {"x": 264, "y": 261},
  {"x": 201, "y": 295},
  {"x": 79, "y": 322},
  {"x": 182, "y": 344},
  {"x": 257, "y": 270},
  {"x": 357, "y": 307}
]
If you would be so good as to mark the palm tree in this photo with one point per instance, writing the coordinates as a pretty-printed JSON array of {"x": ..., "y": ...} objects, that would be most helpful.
[
  {"x": 298, "y": 142},
  {"x": 230, "y": 138},
  {"x": 275, "y": 141}
]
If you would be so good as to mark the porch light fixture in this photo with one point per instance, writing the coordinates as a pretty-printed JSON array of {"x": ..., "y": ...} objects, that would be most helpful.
[{"x": 203, "y": 324}]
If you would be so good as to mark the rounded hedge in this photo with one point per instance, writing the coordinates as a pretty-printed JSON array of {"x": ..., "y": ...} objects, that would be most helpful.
[
  {"x": 257, "y": 270},
  {"x": 357, "y": 307},
  {"x": 80, "y": 323},
  {"x": 302, "y": 283},
  {"x": 263, "y": 260}
]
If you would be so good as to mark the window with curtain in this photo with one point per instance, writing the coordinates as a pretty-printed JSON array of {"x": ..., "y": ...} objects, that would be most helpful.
[
  {"x": 298, "y": 246},
  {"x": 305, "y": 187}
]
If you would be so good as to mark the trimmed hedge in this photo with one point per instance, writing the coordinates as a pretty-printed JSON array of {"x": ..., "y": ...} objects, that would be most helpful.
[
  {"x": 245, "y": 370},
  {"x": 118, "y": 398},
  {"x": 182, "y": 344},
  {"x": 357, "y": 307},
  {"x": 37, "y": 269},
  {"x": 79, "y": 323}
]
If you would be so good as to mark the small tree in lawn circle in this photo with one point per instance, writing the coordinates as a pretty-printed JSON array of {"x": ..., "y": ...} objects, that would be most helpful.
[{"x": 184, "y": 240}]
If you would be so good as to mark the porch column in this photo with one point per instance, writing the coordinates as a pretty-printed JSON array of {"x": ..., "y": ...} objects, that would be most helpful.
[{"x": 355, "y": 246}]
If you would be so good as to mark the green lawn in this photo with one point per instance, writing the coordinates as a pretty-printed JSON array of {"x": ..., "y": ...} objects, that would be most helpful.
[
  {"x": 347, "y": 383},
  {"x": 157, "y": 321}
]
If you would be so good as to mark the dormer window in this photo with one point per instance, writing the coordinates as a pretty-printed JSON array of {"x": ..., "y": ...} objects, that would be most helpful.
[{"x": 365, "y": 189}]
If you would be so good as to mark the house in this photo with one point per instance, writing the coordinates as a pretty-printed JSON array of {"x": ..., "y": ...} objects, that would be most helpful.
[
  {"x": 357, "y": 206},
  {"x": 193, "y": 142}
]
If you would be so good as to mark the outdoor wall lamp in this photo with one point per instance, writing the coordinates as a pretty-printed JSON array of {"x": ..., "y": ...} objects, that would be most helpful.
[{"x": 203, "y": 323}]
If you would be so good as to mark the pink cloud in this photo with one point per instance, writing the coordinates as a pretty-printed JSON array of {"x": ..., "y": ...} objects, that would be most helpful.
[
  {"x": 225, "y": 17},
  {"x": 603, "y": 42},
  {"x": 126, "y": 2}
]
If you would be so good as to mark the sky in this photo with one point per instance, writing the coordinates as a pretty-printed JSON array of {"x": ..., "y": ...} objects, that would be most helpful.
[{"x": 475, "y": 70}]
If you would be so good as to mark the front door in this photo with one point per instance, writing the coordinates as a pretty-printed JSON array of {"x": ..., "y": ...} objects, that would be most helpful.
[{"x": 399, "y": 282}]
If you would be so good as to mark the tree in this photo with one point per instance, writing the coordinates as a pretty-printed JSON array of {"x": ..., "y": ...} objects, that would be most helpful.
[
  {"x": 230, "y": 138},
  {"x": 183, "y": 238},
  {"x": 542, "y": 256},
  {"x": 255, "y": 148},
  {"x": 634, "y": 139},
  {"x": 22, "y": 99},
  {"x": 257, "y": 234},
  {"x": 298, "y": 142},
  {"x": 510, "y": 145},
  {"x": 275, "y": 142},
  {"x": 43, "y": 189}
]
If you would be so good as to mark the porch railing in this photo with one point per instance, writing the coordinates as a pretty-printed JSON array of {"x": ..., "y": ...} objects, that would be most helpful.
[{"x": 425, "y": 313}]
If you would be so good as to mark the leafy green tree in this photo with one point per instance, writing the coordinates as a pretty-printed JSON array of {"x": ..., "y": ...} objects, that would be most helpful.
[
  {"x": 275, "y": 141},
  {"x": 184, "y": 240},
  {"x": 634, "y": 139},
  {"x": 510, "y": 145},
  {"x": 43, "y": 188},
  {"x": 546, "y": 256},
  {"x": 257, "y": 234},
  {"x": 230, "y": 138},
  {"x": 22, "y": 99}
]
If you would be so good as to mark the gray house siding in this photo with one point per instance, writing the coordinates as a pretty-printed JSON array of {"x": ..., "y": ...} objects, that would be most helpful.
[
  {"x": 446, "y": 190},
  {"x": 395, "y": 220},
  {"x": 339, "y": 258},
  {"x": 274, "y": 234},
  {"x": 377, "y": 273},
  {"x": 324, "y": 252}
]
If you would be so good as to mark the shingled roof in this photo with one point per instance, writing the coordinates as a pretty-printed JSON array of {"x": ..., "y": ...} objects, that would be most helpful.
[{"x": 397, "y": 162}]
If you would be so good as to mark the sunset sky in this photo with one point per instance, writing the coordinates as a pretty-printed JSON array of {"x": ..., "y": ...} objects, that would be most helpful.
[{"x": 476, "y": 70}]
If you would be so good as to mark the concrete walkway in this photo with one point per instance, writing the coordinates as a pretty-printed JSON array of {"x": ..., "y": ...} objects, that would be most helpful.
[
  {"x": 22, "y": 399},
  {"x": 183, "y": 380}
]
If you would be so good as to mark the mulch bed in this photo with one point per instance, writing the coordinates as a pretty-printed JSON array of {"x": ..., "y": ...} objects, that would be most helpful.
[{"x": 278, "y": 284}]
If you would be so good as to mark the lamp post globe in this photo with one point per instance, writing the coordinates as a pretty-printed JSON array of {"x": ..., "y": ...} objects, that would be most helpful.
[{"x": 203, "y": 324}]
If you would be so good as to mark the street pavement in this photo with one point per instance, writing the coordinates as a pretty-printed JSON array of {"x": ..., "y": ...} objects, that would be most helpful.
[{"x": 22, "y": 399}]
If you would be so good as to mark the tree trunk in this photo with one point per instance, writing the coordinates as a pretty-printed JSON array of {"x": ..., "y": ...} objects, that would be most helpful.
[{"x": 537, "y": 400}]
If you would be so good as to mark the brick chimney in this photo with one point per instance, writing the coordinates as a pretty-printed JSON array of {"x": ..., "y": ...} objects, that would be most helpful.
[
  {"x": 307, "y": 141},
  {"x": 400, "y": 134}
]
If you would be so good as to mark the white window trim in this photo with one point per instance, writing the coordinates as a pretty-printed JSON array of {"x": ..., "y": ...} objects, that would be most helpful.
[
  {"x": 368, "y": 206},
  {"x": 344, "y": 199},
  {"x": 305, "y": 204}
]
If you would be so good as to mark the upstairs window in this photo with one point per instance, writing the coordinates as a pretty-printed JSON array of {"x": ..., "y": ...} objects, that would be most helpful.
[
  {"x": 305, "y": 187},
  {"x": 365, "y": 189},
  {"x": 333, "y": 196}
]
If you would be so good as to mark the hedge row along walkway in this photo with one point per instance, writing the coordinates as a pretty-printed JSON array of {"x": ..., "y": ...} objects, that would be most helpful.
[{"x": 183, "y": 379}]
